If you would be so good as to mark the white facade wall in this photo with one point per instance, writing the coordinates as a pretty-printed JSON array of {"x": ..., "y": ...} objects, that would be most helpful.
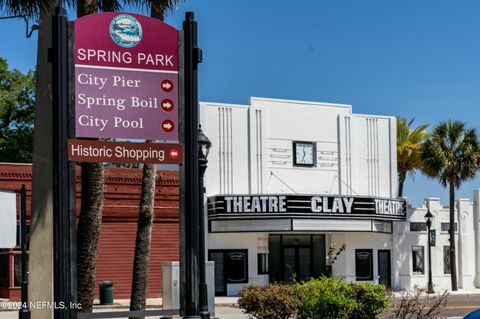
[
  {"x": 252, "y": 153},
  {"x": 252, "y": 149},
  {"x": 226, "y": 125},
  {"x": 254, "y": 242},
  {"x": 404, "y": 240},
  {"x": 344, "y": 267}
]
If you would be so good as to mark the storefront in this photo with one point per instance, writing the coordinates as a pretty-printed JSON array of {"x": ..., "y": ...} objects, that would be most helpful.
[
  {"x": 293, "y": 234},
  {"x": 288, "y": 181}
]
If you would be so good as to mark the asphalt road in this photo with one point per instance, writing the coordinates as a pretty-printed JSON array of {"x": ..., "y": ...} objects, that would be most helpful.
[
  {"x": 457, "y": 306},
  {"x": 461, "y": 305}
]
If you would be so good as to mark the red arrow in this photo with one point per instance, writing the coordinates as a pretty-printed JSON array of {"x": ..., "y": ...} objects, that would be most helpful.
[
  {"x": 167, "y": 105},
  {"x": 166, "y": 85},
  {"x": 173, "y": 153},
  {"x": 168, "y": 126}
]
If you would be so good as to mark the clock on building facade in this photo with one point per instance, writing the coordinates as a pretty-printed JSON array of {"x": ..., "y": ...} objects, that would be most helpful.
[{"x": 304, "y": 154}]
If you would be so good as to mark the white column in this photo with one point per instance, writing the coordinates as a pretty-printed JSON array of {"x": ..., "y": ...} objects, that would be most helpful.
[
  {"x": 466, "y": 245},
  {"x": 476, "y": 225}
]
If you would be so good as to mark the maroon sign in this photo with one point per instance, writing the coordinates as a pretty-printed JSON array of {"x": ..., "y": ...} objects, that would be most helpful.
[
  {"x": 126, "y": 77},
  {"x": 123, "y": 152}
]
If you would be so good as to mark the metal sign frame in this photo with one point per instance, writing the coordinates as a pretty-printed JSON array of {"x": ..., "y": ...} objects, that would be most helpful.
[{"x": 65, "y": 275}]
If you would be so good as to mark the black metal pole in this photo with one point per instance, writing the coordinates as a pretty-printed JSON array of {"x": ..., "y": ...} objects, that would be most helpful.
[
  {"x": 192, "y": 58},
  {"x": 202, "y": 164},
  {"x": 24, "y": 312},
  {"x": 62, "y": 268},
  {"x": 430, "y": 283}
]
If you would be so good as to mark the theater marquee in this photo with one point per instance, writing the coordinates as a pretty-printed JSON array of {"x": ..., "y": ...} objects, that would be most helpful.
[{"x": 311, "y": 205}]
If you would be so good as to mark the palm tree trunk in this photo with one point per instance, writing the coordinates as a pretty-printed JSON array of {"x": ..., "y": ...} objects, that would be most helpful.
[
  {"x": 401, "y": 181},
  {"x": 90, "y": 219},
  {"x": 143, "y": 240},
  {"x": 453, "y": 261},
  {"x": 41, "y": 222},
  {"x": 157, "y": 10},
  {"x": 138, "y": 297},
  {"x": 88, "y": 232}
]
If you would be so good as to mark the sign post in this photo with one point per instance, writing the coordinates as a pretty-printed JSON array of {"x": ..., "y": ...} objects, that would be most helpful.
[
  {"x": 63, "y": 213},
  {"x": 191, "y": 200},
  {"x": 126, "y": 86}
]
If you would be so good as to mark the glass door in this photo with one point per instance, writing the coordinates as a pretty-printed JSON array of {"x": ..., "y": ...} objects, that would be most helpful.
[{"x": 297, "y": 263}]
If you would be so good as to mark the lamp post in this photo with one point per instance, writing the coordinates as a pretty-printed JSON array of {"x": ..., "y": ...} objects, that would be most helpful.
[
  {"x": 428, "y": 219},
  {"x": 190, "y": 283},
  {"x": 204, "y": 145}
]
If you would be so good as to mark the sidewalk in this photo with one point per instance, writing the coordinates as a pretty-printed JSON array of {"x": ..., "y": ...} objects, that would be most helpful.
[
  {"x": 157, "y": 303},
  {"x": 225, "y": 308}
]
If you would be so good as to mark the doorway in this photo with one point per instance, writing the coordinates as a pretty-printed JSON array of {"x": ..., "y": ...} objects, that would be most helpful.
[
  {"x": 384, "y": 268},
  {"x": 298, "y": 257},
  {"x": 297, "y": 263}
]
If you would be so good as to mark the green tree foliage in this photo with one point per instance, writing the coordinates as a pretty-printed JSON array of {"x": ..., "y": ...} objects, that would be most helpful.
[
  {"x": 451, "y": 154},
  {"x": 17, "y": 99},
  {"x": 409, "y": 146}
]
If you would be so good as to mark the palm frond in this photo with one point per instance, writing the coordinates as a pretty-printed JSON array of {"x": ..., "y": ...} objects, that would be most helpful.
[
  {"x": 409, "y": 144},
  {"x": 451, "y": 153}
]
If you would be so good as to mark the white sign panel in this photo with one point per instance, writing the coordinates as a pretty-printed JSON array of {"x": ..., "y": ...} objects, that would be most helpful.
[{"x": 8, "y": 219}]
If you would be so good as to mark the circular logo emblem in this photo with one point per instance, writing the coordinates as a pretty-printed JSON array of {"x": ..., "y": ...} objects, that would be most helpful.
[{"x": 126, "y": 31}]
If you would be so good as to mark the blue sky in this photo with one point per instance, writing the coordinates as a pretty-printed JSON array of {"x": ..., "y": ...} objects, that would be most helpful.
[{"x": 417, "y": 59}]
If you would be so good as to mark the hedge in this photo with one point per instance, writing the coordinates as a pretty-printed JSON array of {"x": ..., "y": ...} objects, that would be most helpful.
[{"x": 324, "y": 298}]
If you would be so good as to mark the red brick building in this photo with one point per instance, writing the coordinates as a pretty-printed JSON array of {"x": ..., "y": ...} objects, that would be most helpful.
[{"x": 119, "y": 222}]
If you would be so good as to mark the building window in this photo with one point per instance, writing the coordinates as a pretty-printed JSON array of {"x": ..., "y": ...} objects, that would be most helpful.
[
  {"x": 231, "y": 267},
  {"x": 262, "y": 264},
  {"x": 446, "y": 260},
  {"x": 418, "y": 260},
  {"x": 416, "y": 226},
  {"x": 236, "y": 266},
  {"x": 364, "y": 264},
  {"x": 446, "y": 227}
]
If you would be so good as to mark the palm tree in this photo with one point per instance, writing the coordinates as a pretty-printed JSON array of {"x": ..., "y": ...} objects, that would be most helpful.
[
  {"x": 452, "y": 155},
  {"x": 90, "y": 218},
  {"x": 138, "y": 295},
  {"x": 409, "y": 144},
  {"x": 42, "y": 178},
  {"x": 88, "y": 230}
]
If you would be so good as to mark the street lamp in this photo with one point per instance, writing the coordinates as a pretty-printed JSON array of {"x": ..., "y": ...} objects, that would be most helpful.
[
  {"x": 204, "y": 145},
  {"x": 428, "y": 219}
]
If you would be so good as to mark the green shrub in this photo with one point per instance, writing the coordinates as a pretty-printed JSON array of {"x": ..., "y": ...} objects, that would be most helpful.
[
  {"x": 268, "y": 302},
  {"x": 371, "y": 300},
  {"x": 324, "y": 298}
]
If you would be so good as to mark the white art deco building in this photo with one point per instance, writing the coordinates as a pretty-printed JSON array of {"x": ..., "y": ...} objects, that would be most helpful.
[{"x": 286, "y": 180}]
